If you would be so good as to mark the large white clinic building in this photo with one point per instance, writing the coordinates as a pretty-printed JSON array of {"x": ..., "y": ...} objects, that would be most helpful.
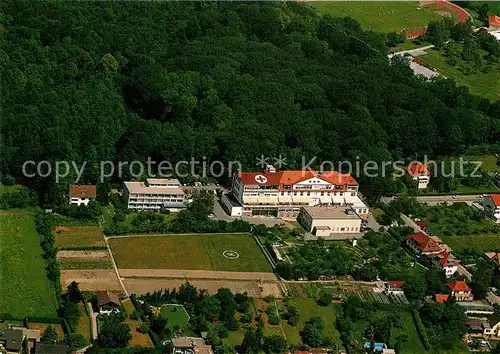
[
  {"x": 156, "y": 194},
  {"x": 283, "y": 193}
]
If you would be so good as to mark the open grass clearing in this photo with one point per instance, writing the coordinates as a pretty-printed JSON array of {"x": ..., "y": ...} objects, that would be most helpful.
[
  {"x": 78, "y": 237},
  {"x": 479, "y": 243},
  {"x": 83, "y": 327},
  {"x": 197, "y": 252},
  {"x": 412, "y": 346},
  {"x": 482, "y": 84},
  {"x": 175, "y": 314},
  {"x": 309, "y": 308},
  {"x": 379, "y": 16},
  {"x": 24, "y": 287}
]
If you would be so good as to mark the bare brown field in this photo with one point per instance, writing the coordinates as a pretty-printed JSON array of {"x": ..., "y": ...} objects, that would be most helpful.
[
  {"x": 91, "y": 279},
  {"x": 196, "y": 274},
  {"x": 253, "y": 288},
  {"x": 79, "y": 236}
]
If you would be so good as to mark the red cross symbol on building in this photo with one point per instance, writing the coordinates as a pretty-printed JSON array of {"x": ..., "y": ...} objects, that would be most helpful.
[{"x": 261, "y": 179}]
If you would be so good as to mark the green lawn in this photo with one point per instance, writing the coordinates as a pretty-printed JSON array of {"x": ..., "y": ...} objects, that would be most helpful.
[
  {"x": 480, "y": 243},
  {"x": 412, "y": 346},
  {"x": 5, "y": 189},
  {"x": 24, "y": 287},
  {"x": 176, "y": 315},
  {"x": 309, "y": 308},
  {"x": 488, "y": 162},
  {"x": 202, "y": 252},
  {"x": 482, "y": 84},
  {"x": 379, "y": 16}
]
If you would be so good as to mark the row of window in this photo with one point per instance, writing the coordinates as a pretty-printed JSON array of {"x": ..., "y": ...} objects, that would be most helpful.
[
  {"x": 341, "y": 194},
  {"x": 142, "y": 195},
  {"x": 156, "y": 201}
]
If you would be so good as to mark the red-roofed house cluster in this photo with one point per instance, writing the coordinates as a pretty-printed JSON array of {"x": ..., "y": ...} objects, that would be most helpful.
[
  {"x": 423, "y": 245},
  {"x": 459, "y": 289}
]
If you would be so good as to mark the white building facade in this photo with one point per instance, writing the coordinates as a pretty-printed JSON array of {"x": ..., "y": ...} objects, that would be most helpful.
[
  {"x": 156, "y": 194},
  {"x": 283, "y": 193}
]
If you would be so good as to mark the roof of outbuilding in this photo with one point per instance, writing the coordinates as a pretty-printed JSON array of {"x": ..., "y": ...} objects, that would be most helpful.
[{"x": 106, "y": 297}]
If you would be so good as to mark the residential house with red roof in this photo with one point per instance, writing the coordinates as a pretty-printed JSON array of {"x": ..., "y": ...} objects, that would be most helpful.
[
  {"x": 394, "y": 287},
  {"x": 284, "y": 193},
  {"x": 419, "y": 173},
  {"x": 81, "y": 194},
  {"x": 442, "y": 298},
  {"x": 445, "y": 261},
  {"x": 421, "y": 244},
  {"x": 461, "y": 291},
  {"x": 494, "y": 21},
  {"x": 491, "y": 205}
]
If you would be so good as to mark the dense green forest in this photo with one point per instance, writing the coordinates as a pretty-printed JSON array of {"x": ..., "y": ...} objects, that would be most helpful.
[{"x": 229, "y": 81}]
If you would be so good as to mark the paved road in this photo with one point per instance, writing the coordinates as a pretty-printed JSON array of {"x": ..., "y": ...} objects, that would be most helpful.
[
  {"x": 436, "y": 199},
  {"x": 414, "y": 52},
  {"x": 417, "y": 68},
  {"x": 410, "y": 223},
  {"x": 462, "y": 271}
]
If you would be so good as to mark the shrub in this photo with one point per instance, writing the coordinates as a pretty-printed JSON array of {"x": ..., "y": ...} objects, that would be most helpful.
[
  {"x": 421, "y": 330},
  {"x": 143, "y": 328}
]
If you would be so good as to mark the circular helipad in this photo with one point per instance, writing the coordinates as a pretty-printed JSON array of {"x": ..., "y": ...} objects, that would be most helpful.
[{"x": 231, "y": 254}]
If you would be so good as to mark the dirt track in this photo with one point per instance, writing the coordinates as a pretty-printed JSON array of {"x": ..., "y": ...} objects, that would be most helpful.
[
  {"x": 253, "y": 288},
  {"x": 196, "y": 274}
]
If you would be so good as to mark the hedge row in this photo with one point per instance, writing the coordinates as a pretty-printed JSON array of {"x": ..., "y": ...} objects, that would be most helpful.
[
  {"x": 44, "y": 228},
  {"x": 421, "y": 329},
  {"x": 51, "y": 320}
]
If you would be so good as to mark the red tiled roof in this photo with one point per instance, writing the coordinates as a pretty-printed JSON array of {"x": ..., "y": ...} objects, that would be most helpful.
[
  {"x": 424, "y": 242},
  {"x": 495, "y": 198},
  {"x": 82, "y": 191},
  {"x": 396, "y": 283},
  {"x": 421, "y": 224},
  {"x": 494, "y": 20},
  {"x": 440, "y": 298},
  {"x": 293, "y": 177},
  {"x": 446, "y": 259},
  {"x": 416, "y": 168},
  {"x": 459, "y": 285}
]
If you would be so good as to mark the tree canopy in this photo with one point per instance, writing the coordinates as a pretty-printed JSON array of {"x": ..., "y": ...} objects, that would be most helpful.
[{"x": 222, "y": 81}]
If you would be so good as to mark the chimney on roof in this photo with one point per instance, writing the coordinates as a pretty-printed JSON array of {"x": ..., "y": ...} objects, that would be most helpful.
[{"x": 270, "y": 169}]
